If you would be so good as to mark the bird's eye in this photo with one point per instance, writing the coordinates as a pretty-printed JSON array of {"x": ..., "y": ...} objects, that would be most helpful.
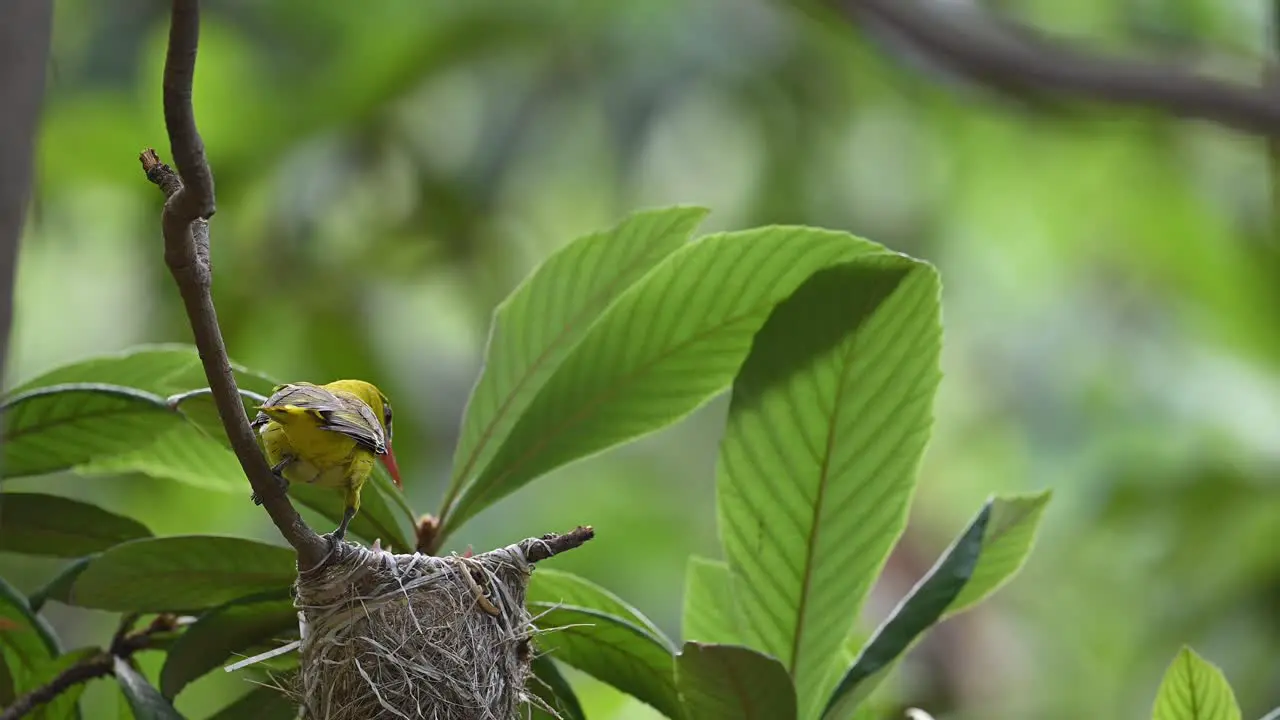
[{"x": 386, "y": 416}]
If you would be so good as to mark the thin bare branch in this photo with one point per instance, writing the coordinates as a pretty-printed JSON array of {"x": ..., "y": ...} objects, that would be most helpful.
[
  {"x": 189, "y": 204},
  {"x": 100, "y": 664}
]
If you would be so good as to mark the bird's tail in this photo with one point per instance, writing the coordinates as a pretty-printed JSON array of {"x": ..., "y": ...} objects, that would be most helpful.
[{"x": 289, "y": 414}]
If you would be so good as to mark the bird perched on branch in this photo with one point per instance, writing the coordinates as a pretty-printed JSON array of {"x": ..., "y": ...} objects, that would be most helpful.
[{"x": 327, "y": 435}]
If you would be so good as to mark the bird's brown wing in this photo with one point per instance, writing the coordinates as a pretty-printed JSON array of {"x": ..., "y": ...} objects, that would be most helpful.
[
  {"x": 338, "y": 412},
  {"x": 356, "y": 420}
]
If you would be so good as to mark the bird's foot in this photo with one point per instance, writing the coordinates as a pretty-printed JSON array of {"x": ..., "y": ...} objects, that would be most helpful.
[{"x": 335, "y": 539}]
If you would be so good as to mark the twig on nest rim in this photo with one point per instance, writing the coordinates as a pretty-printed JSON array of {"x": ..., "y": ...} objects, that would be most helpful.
[
  {"x": 189, "y": 204},
  {"x": 100, "y": 664},
  {"x": 537, "y": 549},
  {"x": 1023, "y": 61}
]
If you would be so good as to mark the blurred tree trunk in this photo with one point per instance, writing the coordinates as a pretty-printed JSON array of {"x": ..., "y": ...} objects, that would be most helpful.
[{"x": 25, "y": 27}]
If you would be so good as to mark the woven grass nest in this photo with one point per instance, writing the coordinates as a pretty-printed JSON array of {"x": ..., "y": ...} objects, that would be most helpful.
[{"x": 417, "y": 636}]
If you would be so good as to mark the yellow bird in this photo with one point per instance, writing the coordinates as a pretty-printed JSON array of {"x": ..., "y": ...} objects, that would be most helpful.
[{"x": 327, "y": 435}]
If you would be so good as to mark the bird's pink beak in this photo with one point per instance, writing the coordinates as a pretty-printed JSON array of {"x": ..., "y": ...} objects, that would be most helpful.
[{"x": 389, "y": 460}]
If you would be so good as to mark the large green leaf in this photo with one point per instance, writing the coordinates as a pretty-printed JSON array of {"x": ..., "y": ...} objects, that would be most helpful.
[
  {"x": 182, "y": 453},
  {"x": 160, "y": 369},
  {"x": 548, "y": 587},
  {"x": 538, "y": 325},
  {"x": 923, "y": 607},
  {"x": 27, "y": 643},
  {"x": 54, "y": 428},
  {"x": 38, "y": 524},
  {"x": 260, "y": 703},
  {"x": 146, "y": 702},
  {"x": 730, "y": 682},
  {"x": 552, "y": 689},
  {"x": 182, "y": 573},
  {"x": 1007, "y": 526},
  {"x": 710, "y": 610},
  {"x": 1194, "y": 689},
  {"x": 224, "y": 630},
  {"x": 828, "y": 421},
  {"x": 611, "y": 649},
  {"x": 665, "y": 347}
]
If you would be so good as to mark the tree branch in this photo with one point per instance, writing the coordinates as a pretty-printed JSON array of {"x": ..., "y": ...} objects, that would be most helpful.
[
  {"x": 189, "y": 204},
  {"x": 100, "y": 664},
  {"x": 1024, "y": 61},
  {"x": 547, "y": 546}
]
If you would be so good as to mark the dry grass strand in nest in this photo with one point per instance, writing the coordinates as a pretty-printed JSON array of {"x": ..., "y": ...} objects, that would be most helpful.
[{"x": 414, "y": 636}]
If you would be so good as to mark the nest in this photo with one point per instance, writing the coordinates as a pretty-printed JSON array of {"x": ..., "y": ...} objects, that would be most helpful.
[{"x": 414, "y": 636}]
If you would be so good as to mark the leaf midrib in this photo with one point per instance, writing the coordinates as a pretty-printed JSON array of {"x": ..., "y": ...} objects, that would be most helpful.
[
  {"x": 28, "y": 429},
  {"x": 744, "y": 699},
  {"x": 1189, "y": 663},
  {"x": 823, "y": 478}
]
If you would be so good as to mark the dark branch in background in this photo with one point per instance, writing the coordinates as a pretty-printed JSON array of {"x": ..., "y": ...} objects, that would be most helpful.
[
  {"x": 100, "y": 664},
  {"x": 24, "y": 52},
  {"x": 1022, "y": 62},
  {"x": 190, "y": 202}
]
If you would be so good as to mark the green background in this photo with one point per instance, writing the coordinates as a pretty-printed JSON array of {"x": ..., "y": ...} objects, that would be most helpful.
[{"x": 387, "y": 172}]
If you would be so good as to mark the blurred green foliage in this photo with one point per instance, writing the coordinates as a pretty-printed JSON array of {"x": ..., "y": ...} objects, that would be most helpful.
[{"x": 386, "y": 175}]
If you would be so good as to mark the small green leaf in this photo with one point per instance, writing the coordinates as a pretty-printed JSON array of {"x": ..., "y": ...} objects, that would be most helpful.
[
  {"x": 828, "y": 421},
  {"x": 612, "y": 650},
  {"x": 161, "y": 369},
  {"x": 26, "y": 639},
  {"x": 922, "y": 607},
  {"x": 1194, "y": 689},
  {"x": 550, "y": 686},
  {"x": 710, "y": 610},
  {"x": 146, "y": 702},
  {"x": 549, "y": 587},
  {"x": 54, "y": 428},
  {"x": 182, "y": 573},
  {"x": 396, "y": 500},
  {"x": 260, "y": 703},
  {"x": 60, "y": 586},
  {"x": 666, "y": 346},
  {"x": 1011, "y": 533},
  {"x": 37, "y": 524},
  {"x": 544, "y": 318},
  {"x": 65, "y": 705},
  {"x": 729, "y": 682},
  {"x": 224, "y": 630}
]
